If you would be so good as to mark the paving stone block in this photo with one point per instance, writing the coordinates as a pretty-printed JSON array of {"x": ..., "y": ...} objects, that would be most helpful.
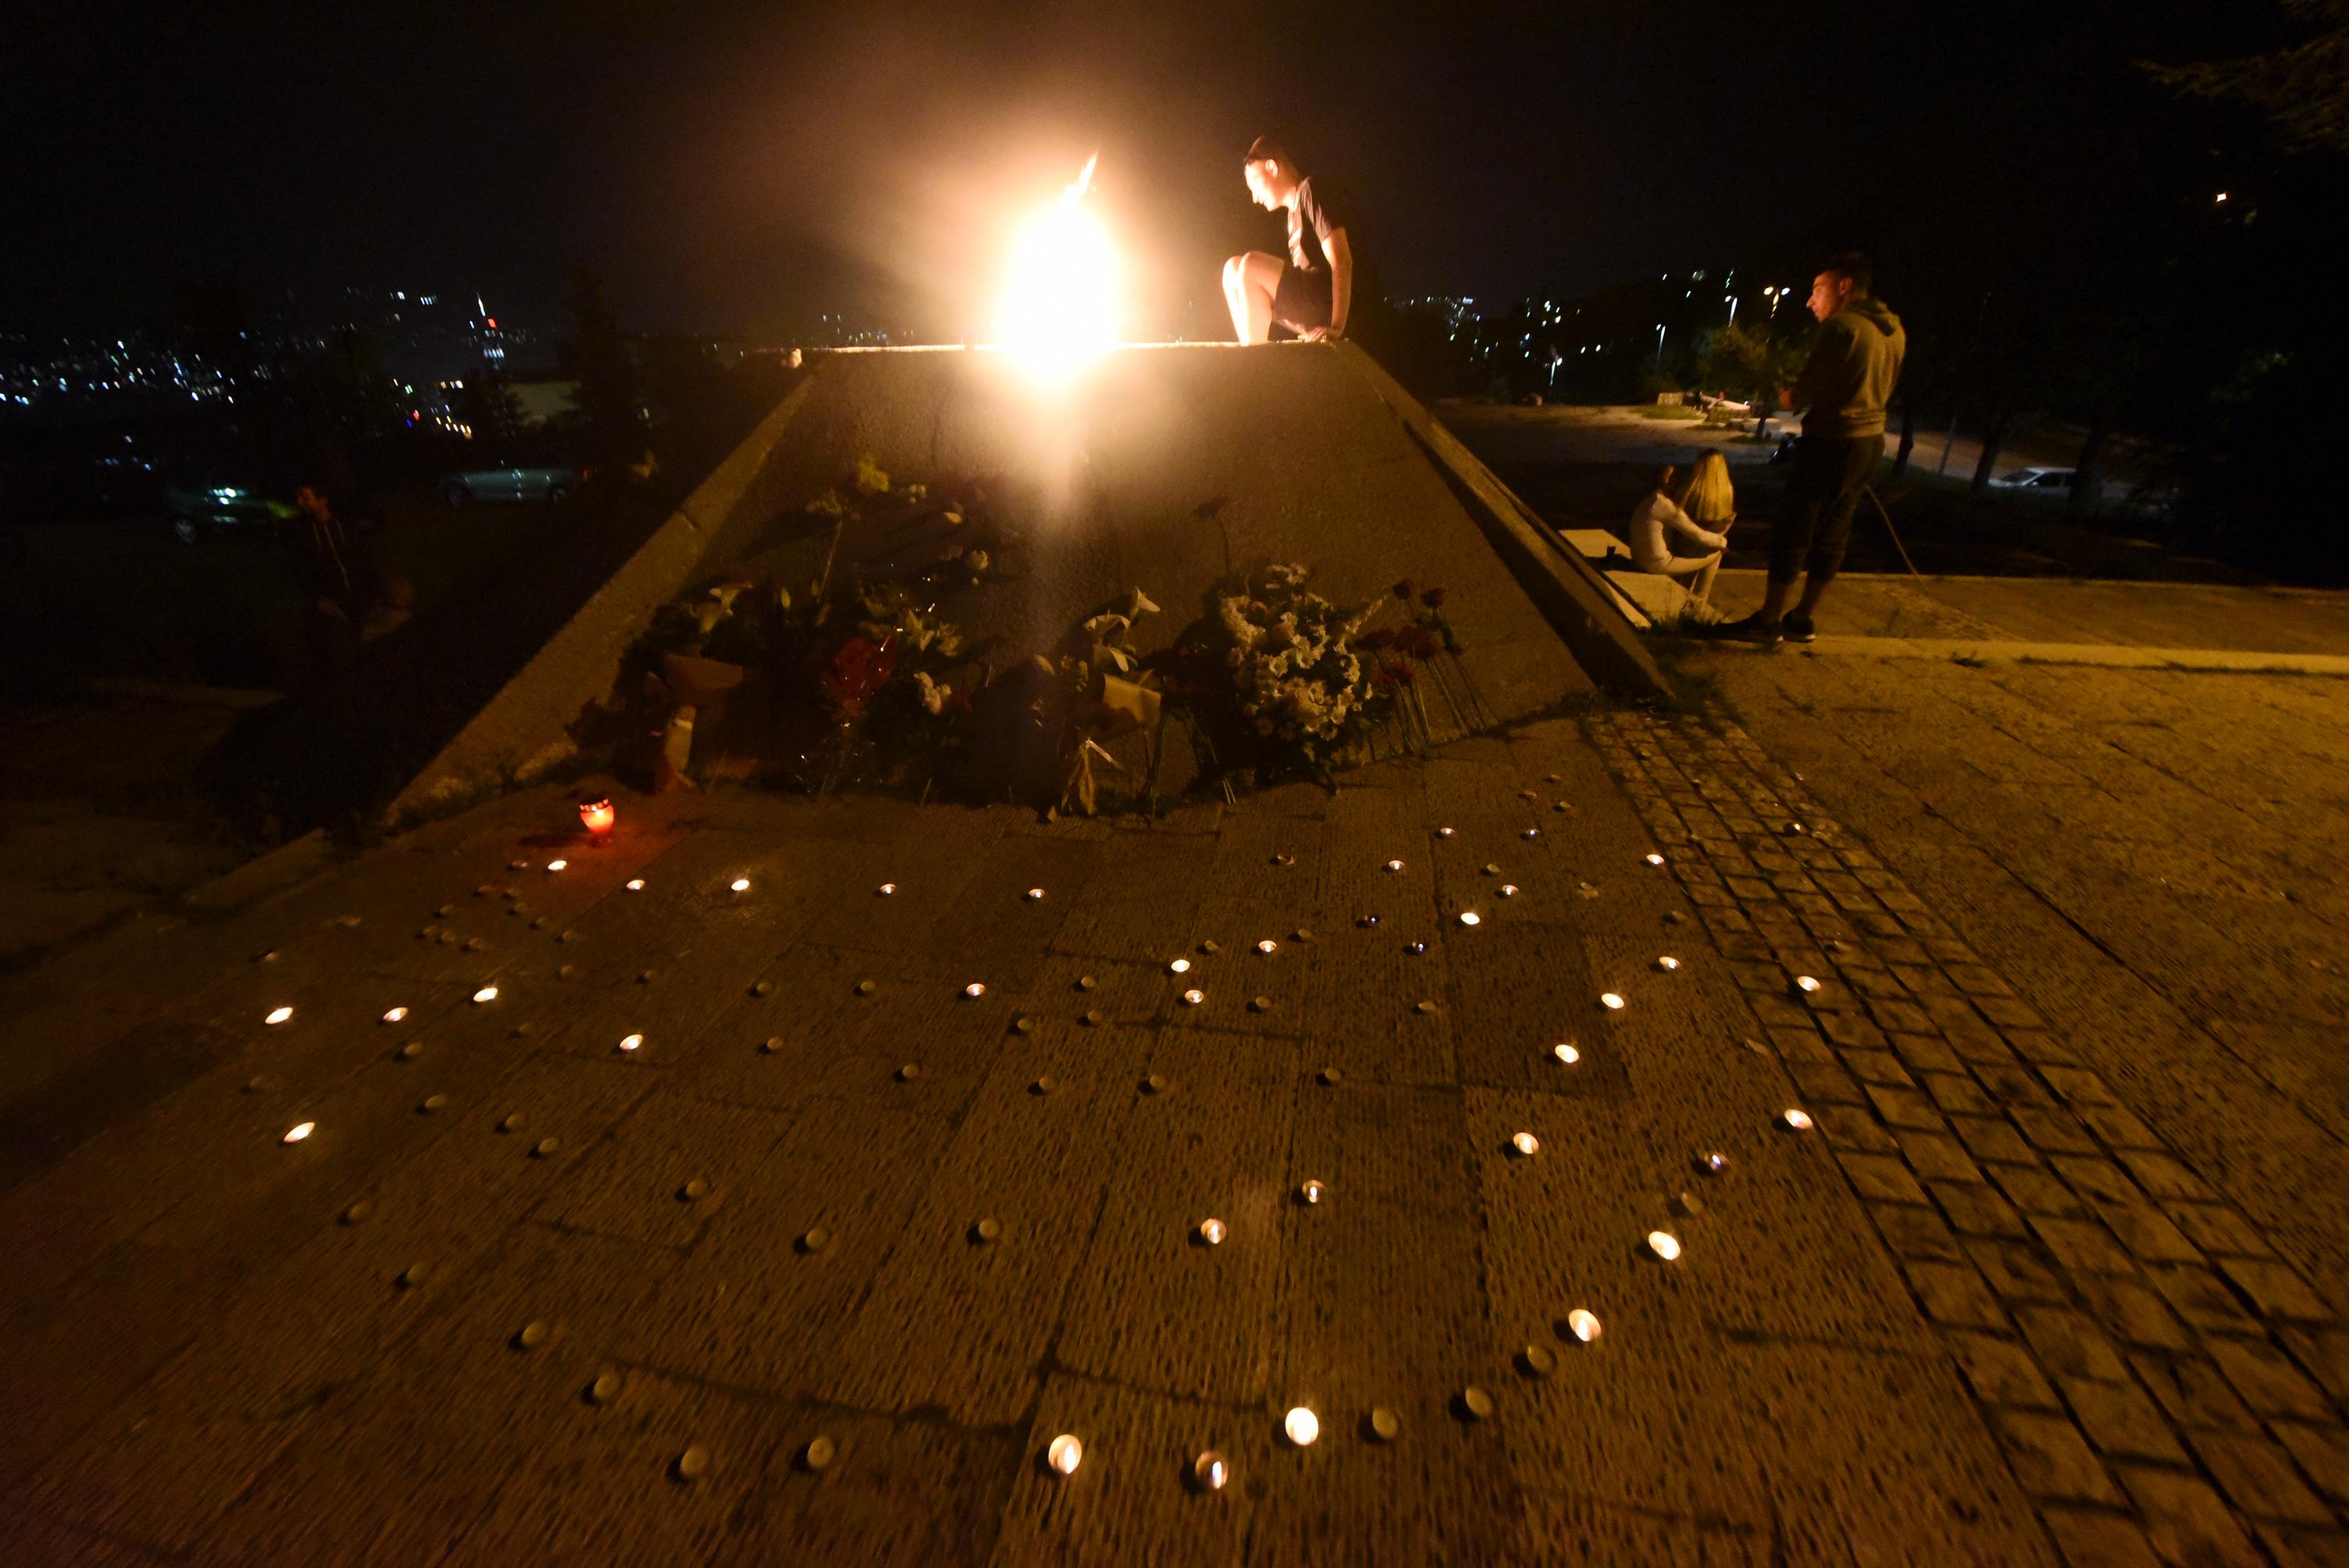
[
  {"x": 2083, "y": 1244},
  {"x": 1851, "y": 1126},
  {"x": 1958, "y": 1094},
  {"x": 2042, "y": 1047},
  {"x": 2069, "y": 1344},
  {"x": 2268, "y": 1381},
  {"x": 1928, "y": 1054},
  {"x": 1905, "y": 1108},
  {"x": 2322, "y": 1453},
  {"x": 2202, "y": 1299},
  {"x": 2121, "y": 1422},
  {"x": 1878, "y": 1067},
  {"x": 1915, "y": 1233},
  {"x": 2034, "y": 1191},
  {"x": 1881, "y": 1179},
  {"x": 2051, "y": 1131},
  {"x": 2014, "y": 1084},
  {"x": 1975, "y": 1211},
  {"x": 2009, "y": 1013},
  {"x": 2016, "y": 1272},
  {"x": 2133, "y": 1314},
  {"x": 2147, "y": 1233},
  {"x": 2077, "y": 1086},
  {"x": 1824, "y": 1085},
  {"x": 2052, "y": 1459},
  {"x": 2090, "y": 1539},
  {"x": 2003, "y": 1372},
  {"x": 1899, "y": 1016},
  {"x": 1953, "y": 1296},
  {"x": 2193, "y": 1392},
  {"x": 1938, "y": 1157},
  {"x": 2258, "y": 1476},
  {"x": 2323, "y": 1354},
  {"x": 2098, "y": 1178},
  {"x": 2188, "y": 1523},
  {"x": 1994, "y": 1139},
  {"x": 1852, "y": 1030},
  {"x": 2165, "y": 1176},
  {"x": 2119, "y": 1128}
]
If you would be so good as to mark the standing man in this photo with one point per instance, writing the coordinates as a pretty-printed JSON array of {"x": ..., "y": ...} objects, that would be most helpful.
[
  {"x": 1311, "y": 293},
  {"x": 1841, "y": 392}
]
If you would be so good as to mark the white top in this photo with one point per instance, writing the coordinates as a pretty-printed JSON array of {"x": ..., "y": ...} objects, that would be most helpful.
[{"x": 1651, "y": 544}]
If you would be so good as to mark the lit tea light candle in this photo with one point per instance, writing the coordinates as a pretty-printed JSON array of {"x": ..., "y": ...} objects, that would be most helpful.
[
  {"x": 1267, "y": 945},
  {"x": 1470, "y": 917},
  {"x": 1302, "y": 1426},
  {"x": 395, "y": 1015},
  {"x": 300, "y": 1131},
  {"x": 1800, "y": 1121},
  {"x": 1584, "y": 1324},
  {"x": 278, "y": 1014},
  {"x": 1525, "y": 1144},
  {"x": 1807, "y": 985},
  {"x": 1210, "y": 1472},
  {"x": 1664, "y": 1245},
  {"x": 1035, "y": 895},
  {"x": 1668, "y": 964},
  {"x": 1610, "y": 1001},
  {"x": 740, "y": 884},
  {"x": 1211, "y": 1231},
  {"x": 885, "y": 889},
  {"x": 553, "y": 866},
  {"x": 1064, "y": 1454},
  {"x": 630, "y": 1042},
  {"x": 1508, "y": 890},
  {"x": 1443, "y": 833},
  {"x": 1193, "y": 998},
  {"x": 1311, "y": 1191},
  {"x": 635, "y": 884},
  {"x": 975, "y": 990},
  {"x": 1564, "y": 1051},
  {"x": 1713, "y": 1163},
  {"x": 1180, "y": 966},
  {"x": 486, "y": 994},
  {"x": 1394, "y": 865},
  {"x": 1655, "y": 860}
]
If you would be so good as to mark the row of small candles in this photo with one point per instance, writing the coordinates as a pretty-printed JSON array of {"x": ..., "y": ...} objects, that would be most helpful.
[{"x": 1301, "y": 1426}]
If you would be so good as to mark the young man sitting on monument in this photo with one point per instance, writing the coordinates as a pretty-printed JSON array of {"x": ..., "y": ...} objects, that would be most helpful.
[{"x": 1311, "y": 294}]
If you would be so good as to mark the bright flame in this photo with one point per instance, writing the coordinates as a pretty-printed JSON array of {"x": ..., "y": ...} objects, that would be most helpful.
[{"x": 1059, "y": 307}]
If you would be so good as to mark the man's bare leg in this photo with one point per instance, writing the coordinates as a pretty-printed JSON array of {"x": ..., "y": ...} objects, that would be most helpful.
[{"x": 1250, "y": 283}]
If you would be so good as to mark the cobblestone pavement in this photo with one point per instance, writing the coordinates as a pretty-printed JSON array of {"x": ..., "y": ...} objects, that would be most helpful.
[{"x": 733, "y": 1226}]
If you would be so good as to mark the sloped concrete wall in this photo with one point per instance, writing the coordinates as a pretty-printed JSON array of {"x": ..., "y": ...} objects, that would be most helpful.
[{"x": 1158, "y": 468}]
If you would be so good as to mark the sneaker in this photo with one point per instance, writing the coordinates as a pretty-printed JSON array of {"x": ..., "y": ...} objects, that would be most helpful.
[
  {"x": 1798, "y": 629},
  {"x": 1754, "y": 629}
]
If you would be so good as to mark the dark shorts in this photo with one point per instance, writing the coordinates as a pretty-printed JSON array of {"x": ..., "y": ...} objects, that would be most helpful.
[
  {"x": 1302, "y": 300},
  {"x": 1822, "y": 494}
]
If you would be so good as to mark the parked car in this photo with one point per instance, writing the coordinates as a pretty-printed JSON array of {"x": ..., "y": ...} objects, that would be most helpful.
[
  {"x": 508, "y": 482},
  {"x": 2039, "y": 478},
  {"x": 198, "y": 508}
]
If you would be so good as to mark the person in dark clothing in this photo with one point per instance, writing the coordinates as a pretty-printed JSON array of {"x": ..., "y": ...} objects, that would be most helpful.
[
  {"x": 1842, "y": 393},
  {"x": 1312, "y": 292},
  {"x": 334, "y": 568}
]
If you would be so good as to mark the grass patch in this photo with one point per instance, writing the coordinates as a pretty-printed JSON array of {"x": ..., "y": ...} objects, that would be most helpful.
[{"x": 1679, "y": 411}]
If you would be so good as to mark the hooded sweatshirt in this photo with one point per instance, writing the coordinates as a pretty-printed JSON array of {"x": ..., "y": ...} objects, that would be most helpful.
[{"x": 1848, "y": 378}]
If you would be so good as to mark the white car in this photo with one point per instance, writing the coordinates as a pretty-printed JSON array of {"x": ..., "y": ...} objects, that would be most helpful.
[
  {"x": 508, "y": 484},
  {"x": 2039, "y": 478}
]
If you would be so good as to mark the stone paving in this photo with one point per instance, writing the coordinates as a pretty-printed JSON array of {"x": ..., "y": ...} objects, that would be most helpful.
[{"x": 732, "y": 1226}]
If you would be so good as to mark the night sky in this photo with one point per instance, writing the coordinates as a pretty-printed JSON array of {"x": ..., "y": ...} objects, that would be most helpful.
[{"x": 727, "y": 167}]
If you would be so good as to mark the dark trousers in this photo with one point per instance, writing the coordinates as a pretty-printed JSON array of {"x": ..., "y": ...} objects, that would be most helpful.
[{"x": 1822, "y": 494}]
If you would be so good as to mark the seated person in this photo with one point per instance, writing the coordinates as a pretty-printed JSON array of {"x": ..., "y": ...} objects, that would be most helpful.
[{"x": 1669, "y": 531}]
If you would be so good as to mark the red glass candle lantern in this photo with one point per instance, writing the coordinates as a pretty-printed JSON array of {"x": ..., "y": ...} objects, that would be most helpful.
[{"x": 598, "y": 815}]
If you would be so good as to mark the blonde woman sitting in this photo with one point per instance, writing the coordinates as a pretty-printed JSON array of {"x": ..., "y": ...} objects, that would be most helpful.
[{"x": 1682, "y": 526}]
